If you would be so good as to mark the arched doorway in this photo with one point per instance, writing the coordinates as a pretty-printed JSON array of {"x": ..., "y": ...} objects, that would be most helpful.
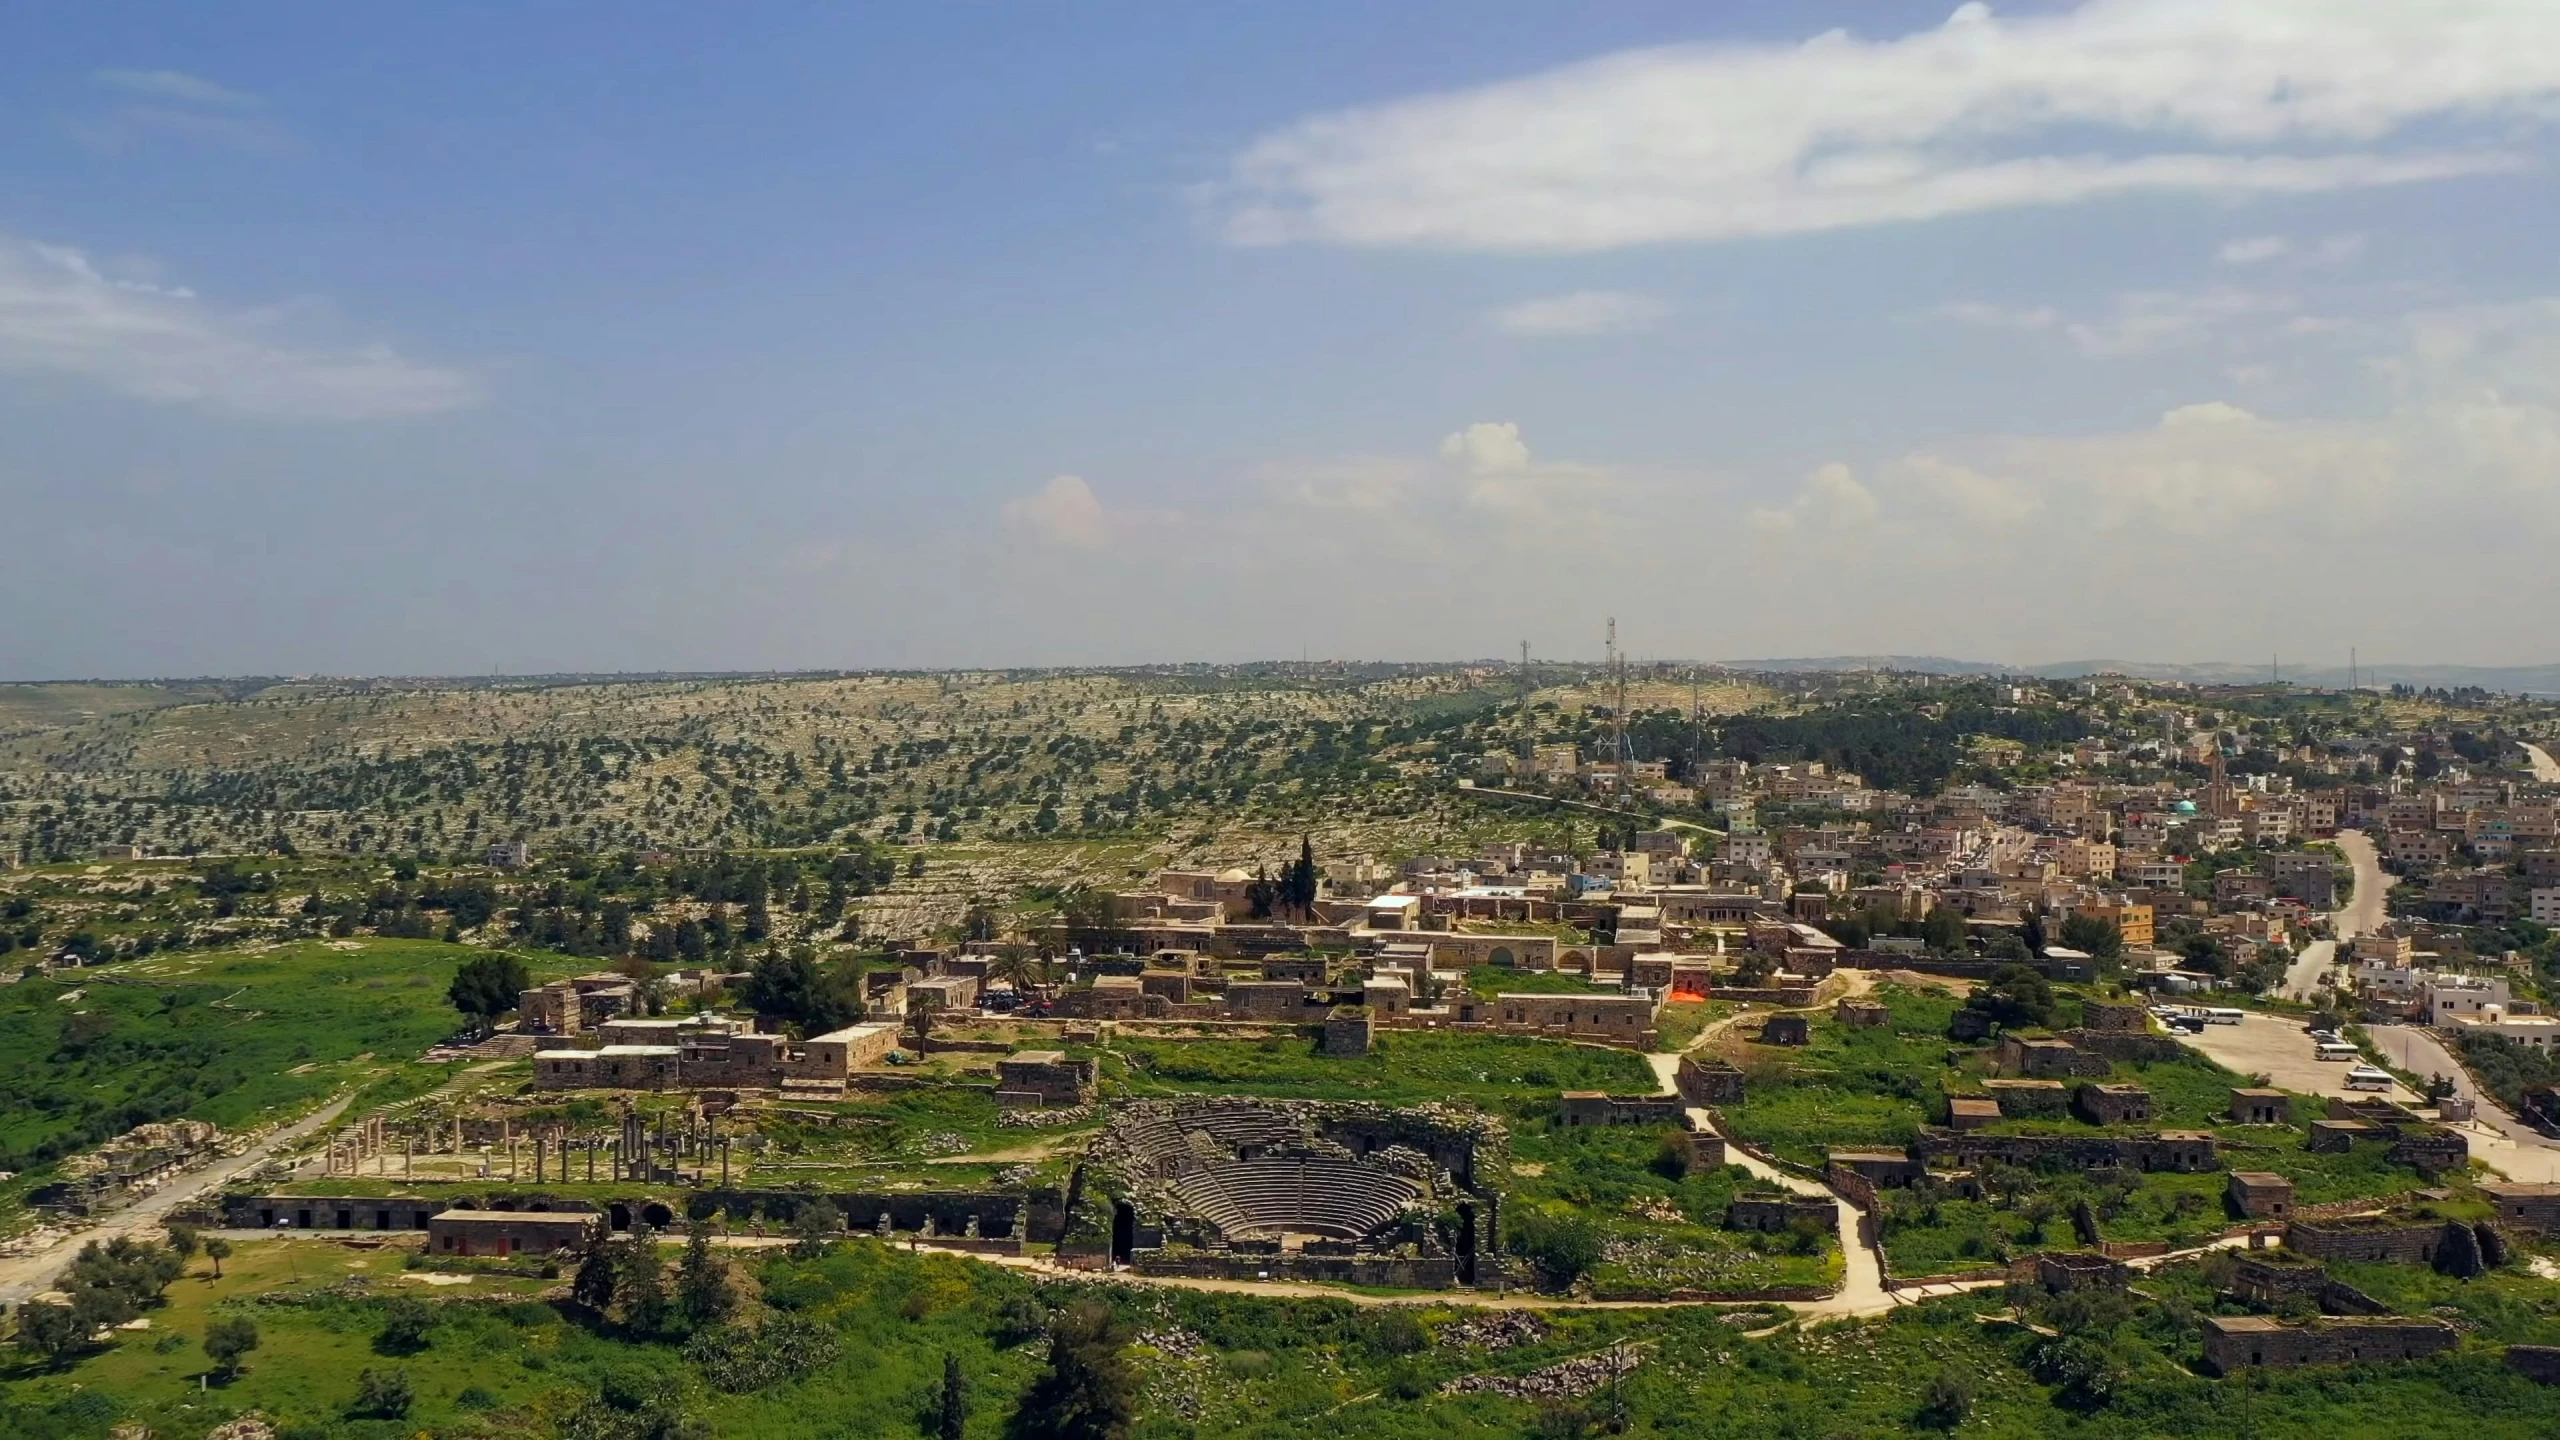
[
  {"x": 1124, "y": 1232},
  {"x": 1503, "y": 958},
  {"x": 621, "y": 1215},
  {"x": 1466, "y": 1243},
  {"x": 657, "y": 1216}
]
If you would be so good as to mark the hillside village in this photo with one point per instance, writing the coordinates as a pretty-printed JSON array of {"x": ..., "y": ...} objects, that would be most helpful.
[{"x": 2084, "y": 1048}]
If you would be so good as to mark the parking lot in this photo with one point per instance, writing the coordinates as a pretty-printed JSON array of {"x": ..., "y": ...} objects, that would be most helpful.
[{"x": 2281, "y": 1051}]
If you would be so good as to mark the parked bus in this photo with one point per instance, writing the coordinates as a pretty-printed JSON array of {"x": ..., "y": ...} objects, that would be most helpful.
[
  {"x": 2365, "y": 1077},
  {"x": 2223, "y": 1017},
  {"x": 2335, "y": 1050}
]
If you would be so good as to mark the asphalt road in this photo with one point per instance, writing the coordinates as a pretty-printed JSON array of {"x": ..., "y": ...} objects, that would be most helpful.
[
  {"x": 2364, "y": 911},
  {"x": 2545, "y": 769},
  {"x": 28, "y": 1275},
  {"x": 2280, "y": 1049},
  {"x": 2496, "y": 1136}
]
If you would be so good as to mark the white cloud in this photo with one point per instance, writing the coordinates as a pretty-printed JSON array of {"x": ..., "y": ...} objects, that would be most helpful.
[
  {"x": 2255, "y": 249},
  {"x": 1583, "y": 312},
  {"x": 1998, "y": 317},
  {"x": 1488, "y": 447},
  {"x": 1063, "y": 512},
  {"x": 2258, "y": 249},
  {"x": 174, "y": 85},
  {"x": 1712, "y": 141},
  {"x": 60, "y": 314},
  {"x": 2150, "y": 320},
  {"x": 1967, "y": 493},
  {"x": 1830, "y": 501}
]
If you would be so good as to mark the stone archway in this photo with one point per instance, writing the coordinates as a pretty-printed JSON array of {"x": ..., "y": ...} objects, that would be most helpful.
[{"x": 1503, "y": 958}]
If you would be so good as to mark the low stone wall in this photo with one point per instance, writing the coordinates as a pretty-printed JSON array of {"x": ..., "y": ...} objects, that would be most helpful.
[
  {"x": 1855, "y": 1188},
  {"x": 1399, "y": 1272},
  {"x": 1789, "y": 997},
  {"x": 2402, "y": 1244},
  {"x": 2129, "y": 1046},
  {"x": 2233, "y": 1343}
]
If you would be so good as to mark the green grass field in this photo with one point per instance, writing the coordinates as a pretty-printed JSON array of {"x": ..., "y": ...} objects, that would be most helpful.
[
  {"x": 1496, "y": 1072},
  {"x": 230, "y": 1036},
  {"x": 498, "y": 1363}
]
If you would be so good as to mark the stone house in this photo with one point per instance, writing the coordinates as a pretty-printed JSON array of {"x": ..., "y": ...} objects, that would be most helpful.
[
  {"x": 1594, "y": 1107},
  {"x": 2102, "y": 1104},
  {"x": 2049, "y": 1059},
  {"x": 2236, "y": 1342},
  {"x": 1786, "y": 1030},
  {"x": 2534, "y": 1207},
  {"x": 1773, "y": 1212},
  {"x": 1884, "y": 1168},
  {"x": 1971, "y": 1112},
  {"x": 1708, "y": 1082},
  {"x": 512, "y": 1232},
  {"x": 2019, "y": 1099},
  {"x": 2260, "y": 1195},
  {"x": 1044, "y": 1079},
  {"x": 2115, "y": 1016},
  {"x": 1349, "y": 1031},
  {"x": 1279, "y": 999},
  {"x": 2257, "y": 1106}
]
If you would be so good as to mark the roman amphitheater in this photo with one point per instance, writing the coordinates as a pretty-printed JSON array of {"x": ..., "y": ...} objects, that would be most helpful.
[{"x": 1307, "y": 1189}]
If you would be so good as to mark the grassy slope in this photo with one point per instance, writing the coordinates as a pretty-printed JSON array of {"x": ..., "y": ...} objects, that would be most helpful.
[
  {"x": 1255, "y": 1367},
  {"x": 226, "y": 1036},
  {"x": 1861, "y": 1088},
  {"x": 1402, "y": 1068}
]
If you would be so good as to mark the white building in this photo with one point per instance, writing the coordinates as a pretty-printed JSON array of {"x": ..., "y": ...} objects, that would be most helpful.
[{"x": 2452, "y": 996}]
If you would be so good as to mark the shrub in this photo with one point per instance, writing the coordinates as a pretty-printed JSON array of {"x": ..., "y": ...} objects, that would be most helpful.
[{"x": 384, "y": 1393}]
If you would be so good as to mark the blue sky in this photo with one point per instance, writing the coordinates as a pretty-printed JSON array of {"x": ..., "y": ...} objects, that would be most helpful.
[{"x": 402, "y": 340}]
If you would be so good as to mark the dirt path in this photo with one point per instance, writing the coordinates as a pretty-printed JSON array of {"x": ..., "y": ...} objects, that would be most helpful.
[{"x": 28, "y": 1275}]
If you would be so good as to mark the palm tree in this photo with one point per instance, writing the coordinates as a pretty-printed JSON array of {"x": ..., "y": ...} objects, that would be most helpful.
[{"x": 1013, "y": 965}]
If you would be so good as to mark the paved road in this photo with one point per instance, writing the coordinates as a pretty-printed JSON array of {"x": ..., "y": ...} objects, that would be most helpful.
[
  {"x": 32, "y": 1274},
  {"x": 2364, "y": 911},
  {"x": 2496, "y": 1136},
  {"x": 2545, "y": 769},
  {"x": 2279, "y": 1048}
]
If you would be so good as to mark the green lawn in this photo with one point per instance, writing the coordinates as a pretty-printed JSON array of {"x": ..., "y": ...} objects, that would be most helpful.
[
  {"x": 1609, "y": 1174},
  {"x": 227, "y": 1036},
  {"x": 497, "y": 1364},
  {"x": 1401, "y": 1068}
]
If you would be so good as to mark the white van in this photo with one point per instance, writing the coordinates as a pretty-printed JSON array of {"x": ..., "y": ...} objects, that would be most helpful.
[
  {"x": 2223, "y": 1017},
  {"x": 2335, "y": 1050},
  {"x": 2365, "y": 1077}
]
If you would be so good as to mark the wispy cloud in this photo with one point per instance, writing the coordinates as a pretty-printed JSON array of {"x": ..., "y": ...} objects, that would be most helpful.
[
  {"x": 1707, "y": 142},
  {"x": 2254, "y": 249},
  {"x": 175, "y": 85},
  {"x": 1064, "y": 512},
  {"x": 1583, "y": 312},
  {"x": 60, "y": 314},
  {"x": 1998, "y": 317},
  {"x": 173, "y": 105}
]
